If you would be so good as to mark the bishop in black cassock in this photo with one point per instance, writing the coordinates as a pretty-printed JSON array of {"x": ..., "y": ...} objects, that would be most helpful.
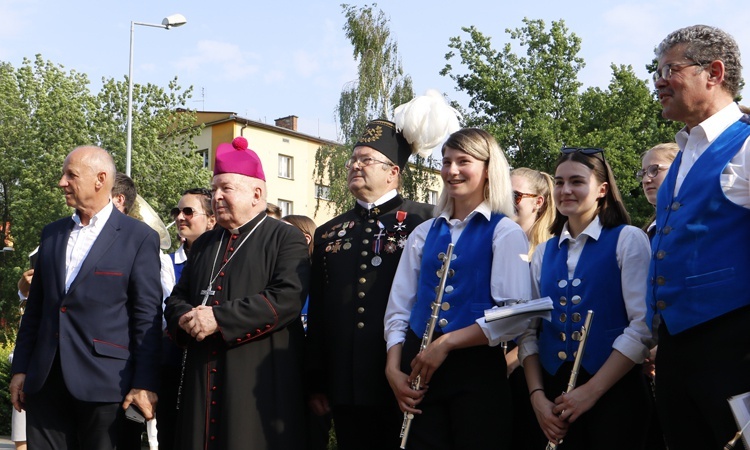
[{"x": 242, "y": 386}]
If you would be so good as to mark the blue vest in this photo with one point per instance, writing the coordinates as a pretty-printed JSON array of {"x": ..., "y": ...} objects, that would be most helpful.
[
  {"x": 700, "y": 261},
  {"x": 596, "y": 285},
  {"x": 467, "y": 293},
  {"x": 177, "y": 268}
]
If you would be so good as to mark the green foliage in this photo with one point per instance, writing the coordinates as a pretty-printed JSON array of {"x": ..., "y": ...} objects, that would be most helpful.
[
  {"x": 45, "y": 112},
  {"x": 533, "y": 105},
  {"x": 381, "y": 85},
  {"x": 5, "y": 405}
]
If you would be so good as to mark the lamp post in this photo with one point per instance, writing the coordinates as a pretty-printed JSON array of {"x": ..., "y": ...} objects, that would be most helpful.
[{"x": 175, "y": 20}]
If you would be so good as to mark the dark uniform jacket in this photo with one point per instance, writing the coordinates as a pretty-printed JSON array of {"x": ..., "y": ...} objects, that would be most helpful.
[{"x": 354, "y": 261}]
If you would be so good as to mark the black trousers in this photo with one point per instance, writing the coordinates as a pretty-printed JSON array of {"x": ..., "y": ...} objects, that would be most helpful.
[
  {"x": 367, "y": 427},
  {"x": 618, "y": 421},
  {"x": 468, "y": 403},
  {"x": 55, "y": 420},
  {"x": 696, "y": 371}
]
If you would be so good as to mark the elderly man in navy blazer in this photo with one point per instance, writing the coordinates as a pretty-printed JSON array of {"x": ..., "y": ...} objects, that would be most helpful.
[{"x": 90, "y": 339}]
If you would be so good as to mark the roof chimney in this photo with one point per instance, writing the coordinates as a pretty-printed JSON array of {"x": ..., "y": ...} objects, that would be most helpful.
[{"x": 288, "y": 122}]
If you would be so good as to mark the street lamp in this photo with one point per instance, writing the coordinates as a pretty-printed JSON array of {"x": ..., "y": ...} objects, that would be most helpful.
[{"x": 175, "y": 20}]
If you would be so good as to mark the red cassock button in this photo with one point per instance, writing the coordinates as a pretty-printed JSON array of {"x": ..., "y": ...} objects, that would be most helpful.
[
  {"x": 216, "y": 302},
  {"x": 63, "y": 309},
  {"x": 218, "y": 288}
]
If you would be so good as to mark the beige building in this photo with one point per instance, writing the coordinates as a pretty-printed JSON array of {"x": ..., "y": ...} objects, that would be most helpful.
[{"x": 288, "y": 158}]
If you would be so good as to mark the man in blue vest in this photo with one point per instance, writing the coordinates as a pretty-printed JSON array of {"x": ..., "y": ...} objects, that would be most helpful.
[{"x": 699, "y": 288}]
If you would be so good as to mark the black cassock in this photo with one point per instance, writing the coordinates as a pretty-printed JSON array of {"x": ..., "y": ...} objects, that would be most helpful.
[{"x": 242, "y": 386}]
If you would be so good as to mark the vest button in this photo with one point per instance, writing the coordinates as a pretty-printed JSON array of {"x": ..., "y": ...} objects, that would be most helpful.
[
  {"x": 563, "y": 301},
  {"x": 675, "y": 206},
  {"x": 368, "y": 230},
  {"x": 361, "y": 310},
  {"x": 360, "y": 325},
  {"x": 371, "y": 221},
  {"x": 441, "y": 256},
  {"x": 443, "y": 323},
  {"x": 562, "y": 336},
  {"x": 563, "y": 317},
  {"x": 365, "y": 241},
  {"x": 362, "y": 280},
  {"x": 661, "y": 305},
  {"x": 667, "y": 229},
  {"x": 562, "y": 355},
  {"x": 660, "y": 280},
  {"x": 361, "y": 294},
  {"x": 363, "y": 253},
  {"x": 445, "y": 306},
  {"x": 576, "y": 335},
  {"x": 562, "y": 283},
  {"x": 448, "y": 289},
  {"x": 576, "y": 317},
  {"x": 576, "y": 282},
  {"x": 363, "y": 266},
  {"x": 660, "y": 254},
  {"x": 576, "y": 299}
]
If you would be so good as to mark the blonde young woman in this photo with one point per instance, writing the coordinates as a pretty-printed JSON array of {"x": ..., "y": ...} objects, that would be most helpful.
[
  {"x": 466, "y": 402},
  {"x": 535, "y": 213}
]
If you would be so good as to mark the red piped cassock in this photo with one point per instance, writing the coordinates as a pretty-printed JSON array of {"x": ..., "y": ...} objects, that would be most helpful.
[{"x": 242, "y": 386}]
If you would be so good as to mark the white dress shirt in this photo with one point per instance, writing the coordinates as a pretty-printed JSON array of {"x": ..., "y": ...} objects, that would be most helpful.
[
  {"x": 633, "y": 254},
  {"x": 387, "y": 196},
  {"x": 81, "y": 240},
  {"x": 735, "y": 179},
  {"x": 509, "y": 280}
]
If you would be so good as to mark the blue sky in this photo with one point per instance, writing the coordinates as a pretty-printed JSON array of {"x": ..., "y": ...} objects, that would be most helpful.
[{"x": 265, "y": 60}]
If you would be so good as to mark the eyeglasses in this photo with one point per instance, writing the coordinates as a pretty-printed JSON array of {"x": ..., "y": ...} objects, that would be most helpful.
[
  {"x": 364, "y": 162},
  {"x": 652, "y": 171},
  {"x": 518, "y": 196},
  {"x": 186, "y": 211},
  {"x": 585, "y": 150},
  {"x": 667, "y": 69}
]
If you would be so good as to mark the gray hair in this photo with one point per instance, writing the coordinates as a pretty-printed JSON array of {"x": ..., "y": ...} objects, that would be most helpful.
[{"x": 704, "y": 44}]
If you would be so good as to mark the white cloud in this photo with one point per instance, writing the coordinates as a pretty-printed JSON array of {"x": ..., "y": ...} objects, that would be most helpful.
[
  {"x": 224, "y": 60},
  {"x": 305, "y": 63}
]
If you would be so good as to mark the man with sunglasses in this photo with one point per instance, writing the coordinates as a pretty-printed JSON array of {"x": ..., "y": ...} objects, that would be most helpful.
[
  {"x": 699, "y": 291},
  {"x": 354, "y": 260}
]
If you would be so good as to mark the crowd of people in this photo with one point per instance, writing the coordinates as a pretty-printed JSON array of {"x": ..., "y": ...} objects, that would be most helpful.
[{"x": 262, "y": 332}]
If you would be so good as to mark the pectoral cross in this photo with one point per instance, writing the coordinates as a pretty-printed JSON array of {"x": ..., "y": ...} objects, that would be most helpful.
[{"x": 207, "y": 293}]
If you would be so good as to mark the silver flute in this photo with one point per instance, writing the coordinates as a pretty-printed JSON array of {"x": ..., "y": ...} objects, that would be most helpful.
[
  {"x": 427, "y": 337},
  {"x": 552, "y": 445}
]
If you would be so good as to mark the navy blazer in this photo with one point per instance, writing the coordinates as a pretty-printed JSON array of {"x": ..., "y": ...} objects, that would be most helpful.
[{"x": 107, "y": 327}]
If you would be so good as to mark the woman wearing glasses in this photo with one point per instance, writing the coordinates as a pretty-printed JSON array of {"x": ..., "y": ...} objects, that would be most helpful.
[
  {"x": 466, "y": 403},
  {"x": 595, "y": 261},
  {"x": 654, "y": 165},
  {"x": 535, "y": 212},
  {"x": 193, "y": 216}
]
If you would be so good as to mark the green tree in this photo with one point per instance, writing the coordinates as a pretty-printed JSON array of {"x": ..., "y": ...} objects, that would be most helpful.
[
  {"x": 529, "y": 103},
  {"x": 45, "y": 112},
  {"x": 381, "y": 85}
]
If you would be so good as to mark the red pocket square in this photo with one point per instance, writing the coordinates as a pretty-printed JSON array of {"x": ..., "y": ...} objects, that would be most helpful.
[{"x": 112, "y": 274}]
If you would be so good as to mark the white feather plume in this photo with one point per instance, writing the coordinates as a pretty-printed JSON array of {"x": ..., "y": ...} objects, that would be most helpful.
[{"x": 426, "y": 122}]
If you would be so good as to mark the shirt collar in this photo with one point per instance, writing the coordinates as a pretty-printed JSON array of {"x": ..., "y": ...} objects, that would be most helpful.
[
  {"x": 387, "y": 196},
  {"x": 98, "y": 220},
  {"x": 179, "y": 255},
  {"x": 712, "y": 127},
  {"x": 483, "y": 209},
  {"x": 593, "y": 231}
]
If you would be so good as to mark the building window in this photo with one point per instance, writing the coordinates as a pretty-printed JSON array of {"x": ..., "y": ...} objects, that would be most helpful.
[
  {"x": 285, "y": 167},
  {"x": 432, "y": 197},
  {"x": 322, "y": 192},
  {"x": 204, "y": 156},
  {"x": 286, "y": 207}
]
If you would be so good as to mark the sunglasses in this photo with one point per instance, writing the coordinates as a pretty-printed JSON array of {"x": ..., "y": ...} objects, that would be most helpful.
[
  {"x": 518, "y": 196},
  {"x": 186, "y": 211},
  {"x": 585, "y": 150},
  {"x": 652, "y": 171}
]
